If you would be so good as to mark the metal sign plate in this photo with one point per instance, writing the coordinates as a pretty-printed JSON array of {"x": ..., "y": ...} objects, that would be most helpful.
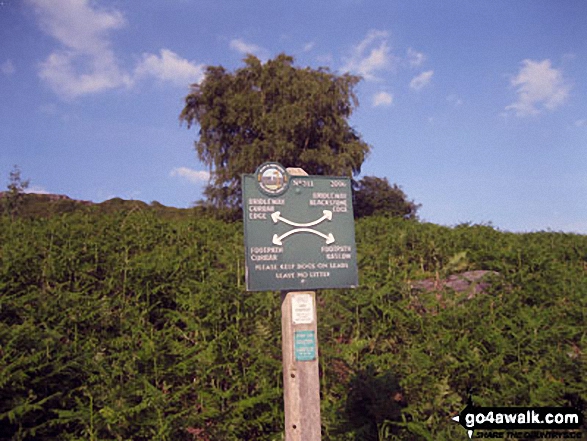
[
  {"x": 304, "y": 345},
  {"x": 299, "y": 231},
  {"x": 302, "y": 309}
]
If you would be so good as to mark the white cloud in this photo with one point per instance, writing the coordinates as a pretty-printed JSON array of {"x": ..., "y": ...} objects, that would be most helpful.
[
  {"x": 382, "y": 99},
  {"x": 193, "y": 176},
  {"x": 85, "y": 62},
  {"x": 581, "y": 123},
  {"x": 539, "y": 86},
  {"x": 170, "y": 67},
  {"x": 421, "y": 80},
  {"x": 36, "y": 190},
  {"x": 309, "y": 46},
  {"x": 77, "y": 25},
  {"x": 7, "y": 68},
  {"x": 415, "y": 58},
  {"x": 239, "y": 45},
  {"x": 60, "y": 71},
  {"x": 370, "y": 56}
]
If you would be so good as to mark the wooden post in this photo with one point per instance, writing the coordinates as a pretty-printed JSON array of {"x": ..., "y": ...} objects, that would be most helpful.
[{"x": 301, "y": 382}]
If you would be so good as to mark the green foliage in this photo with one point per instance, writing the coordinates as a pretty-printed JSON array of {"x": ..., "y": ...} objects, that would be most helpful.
[
  {"x": 373, "y": 195},
  {"x": 272, "y": 111},
  {"x": 130, "y": 325},
  {"x": 373, "y": 402}
]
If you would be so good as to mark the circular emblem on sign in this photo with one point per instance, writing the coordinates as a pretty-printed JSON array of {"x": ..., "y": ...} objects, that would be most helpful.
[{"x": 272, "y": 178}]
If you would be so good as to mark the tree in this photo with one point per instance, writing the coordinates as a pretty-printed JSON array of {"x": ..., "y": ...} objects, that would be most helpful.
[
  {"x": 272, "y": 111},
  {"x": 13, "y": 198},
  {"x": 373, "y": 195}
]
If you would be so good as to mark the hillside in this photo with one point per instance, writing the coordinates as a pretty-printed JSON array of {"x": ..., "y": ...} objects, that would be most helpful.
[
  {"x": 44, "y": 205},
  {"x": 126, "y": 323}
]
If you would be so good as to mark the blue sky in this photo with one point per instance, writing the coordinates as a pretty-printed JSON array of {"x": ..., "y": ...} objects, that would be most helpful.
[{"x": 477, "y": 109}]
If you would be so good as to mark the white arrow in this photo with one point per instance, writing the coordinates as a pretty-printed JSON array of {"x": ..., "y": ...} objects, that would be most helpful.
[
  {"x": 276, "y": 216},
  {"x": 457, "y": 419},
  {"x": 277, "y": 240}
]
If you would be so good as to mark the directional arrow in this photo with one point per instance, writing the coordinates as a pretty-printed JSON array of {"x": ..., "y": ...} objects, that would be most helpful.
[
  {"x": 277, "y": 240},
  {"x": 276, "y": 216},
  {"x": 457, "y": 419}
]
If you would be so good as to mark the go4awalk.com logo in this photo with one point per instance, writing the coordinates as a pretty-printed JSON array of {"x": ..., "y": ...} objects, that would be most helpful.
[{"x": 521, "y": 422}]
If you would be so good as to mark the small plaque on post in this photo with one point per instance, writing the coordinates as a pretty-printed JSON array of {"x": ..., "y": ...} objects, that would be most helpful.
[
  {"x": 304, "y": 345},
  {"x": 302, "y": 309}
]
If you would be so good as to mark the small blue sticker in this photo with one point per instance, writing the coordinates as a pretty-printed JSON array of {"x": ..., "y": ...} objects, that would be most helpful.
[{"x": 305, "y": 345}]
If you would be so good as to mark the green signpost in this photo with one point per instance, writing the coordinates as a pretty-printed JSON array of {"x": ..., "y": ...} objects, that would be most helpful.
[
  {"x": 299, "y": 236},
  {"x": 299, "y": 231}
]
